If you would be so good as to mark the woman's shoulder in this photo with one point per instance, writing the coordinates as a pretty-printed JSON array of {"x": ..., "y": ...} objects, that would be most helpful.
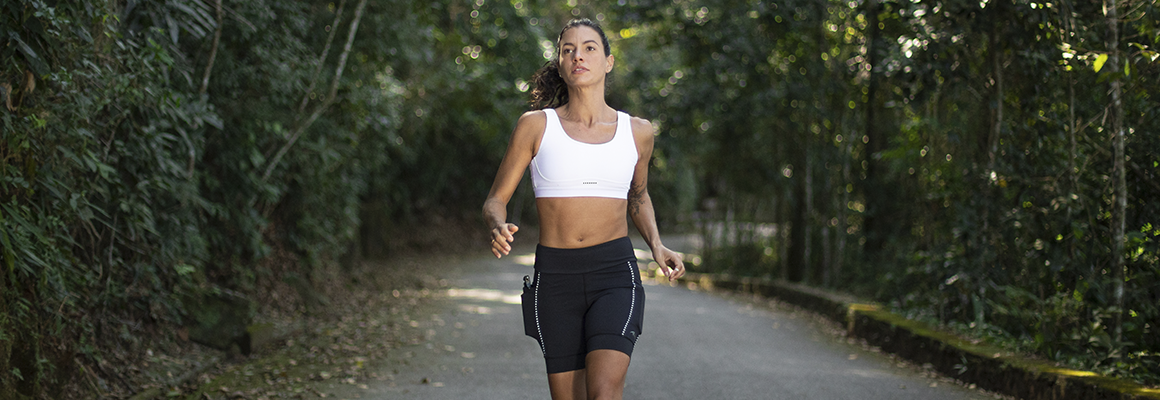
[
  {"x": 636, "y": 122},
  {"x": 641, "y": 127},
  {"x": 534, "y": 118},
  {"x": 530, "y": 126}
]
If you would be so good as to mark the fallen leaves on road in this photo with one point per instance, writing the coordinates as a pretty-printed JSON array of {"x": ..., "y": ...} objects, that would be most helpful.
[{"x": 339, "y": 346}]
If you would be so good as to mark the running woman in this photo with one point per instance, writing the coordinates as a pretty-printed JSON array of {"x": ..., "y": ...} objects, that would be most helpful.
[{"x": 589, "y": 167}]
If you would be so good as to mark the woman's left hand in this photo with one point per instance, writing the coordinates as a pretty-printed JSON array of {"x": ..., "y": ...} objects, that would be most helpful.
[{"x": 670, "y": 262}]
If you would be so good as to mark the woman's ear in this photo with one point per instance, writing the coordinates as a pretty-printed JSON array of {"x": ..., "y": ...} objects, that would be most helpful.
[{"x": 611, "y": 60}]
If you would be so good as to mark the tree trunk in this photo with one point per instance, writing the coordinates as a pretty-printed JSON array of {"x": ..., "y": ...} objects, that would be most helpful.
[
  {"x": 217, "y": 37},
  {"x": 798, "y": 234},
  {"x": 1072, "y": 171},
  {"x": 873, "y": 183},
  {"x": 827, "y": 256},
  {"x": 322, "y": 57},
  {"x": 781, "y": 236},
  {"x": 995, "y": 131},
  {"x": 808, "y": 272},
  {"x": 1120, "y": 205},
  {"x": 843, "y": 208},
  {"x": 986, "y": 243}
]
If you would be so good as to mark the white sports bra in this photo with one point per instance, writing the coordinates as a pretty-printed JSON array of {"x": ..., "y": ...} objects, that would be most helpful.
[{"x": 566, "y": 167}]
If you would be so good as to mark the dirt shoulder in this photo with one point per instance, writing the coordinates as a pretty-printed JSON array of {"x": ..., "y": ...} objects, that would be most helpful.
[{"x": 368, "y": 313}]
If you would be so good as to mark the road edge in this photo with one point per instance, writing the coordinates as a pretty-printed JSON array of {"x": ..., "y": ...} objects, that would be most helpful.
[{"x": 987, "y": 367}]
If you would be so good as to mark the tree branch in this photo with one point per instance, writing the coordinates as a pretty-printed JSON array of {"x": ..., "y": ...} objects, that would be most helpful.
[
  {"x": 322, "y": 58},
  {"x": 1143, "y": 174},
  {"x": 329, "y": 97},
  {"x": 217, "y": 36}
]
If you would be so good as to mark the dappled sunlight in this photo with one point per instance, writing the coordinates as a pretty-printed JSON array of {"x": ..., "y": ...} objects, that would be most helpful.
[
  {"x": 866, "y": 373},
  {"x": 476, "y": 309},
  {"x": 1071, "y": 372},
  {"x": 987, "y": 169},
  {"x": 526, "y": 259},
  {"x": 506, "y": 297}
]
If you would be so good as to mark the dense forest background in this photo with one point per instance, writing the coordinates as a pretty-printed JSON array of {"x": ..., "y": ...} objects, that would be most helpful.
[{"x": 991, "y": 166}]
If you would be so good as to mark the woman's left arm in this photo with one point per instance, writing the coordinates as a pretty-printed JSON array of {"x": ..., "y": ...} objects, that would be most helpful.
[{"x": 640, "y": 206}]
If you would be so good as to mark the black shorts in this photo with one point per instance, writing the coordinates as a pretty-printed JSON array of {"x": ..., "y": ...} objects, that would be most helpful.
[{"x": 583, "y": 300}]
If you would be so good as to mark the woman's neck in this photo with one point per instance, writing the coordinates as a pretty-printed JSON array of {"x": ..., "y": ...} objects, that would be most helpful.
[{"x": 586, "y": 106}]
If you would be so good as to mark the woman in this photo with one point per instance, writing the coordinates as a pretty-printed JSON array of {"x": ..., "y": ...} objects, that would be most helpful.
[{"x": 589, "y": 167}]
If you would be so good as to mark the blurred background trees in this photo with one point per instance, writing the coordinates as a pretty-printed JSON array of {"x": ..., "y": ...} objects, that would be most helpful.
[
  {"x": 990, "y": 166},
  {"x": 957, "y": 160}
]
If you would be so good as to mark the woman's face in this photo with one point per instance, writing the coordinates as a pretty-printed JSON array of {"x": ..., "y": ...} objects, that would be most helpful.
[{"x": 582, "y": 60}]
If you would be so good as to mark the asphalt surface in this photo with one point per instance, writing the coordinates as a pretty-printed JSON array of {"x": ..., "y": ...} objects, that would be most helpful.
[{"x": 695, "y": 345}]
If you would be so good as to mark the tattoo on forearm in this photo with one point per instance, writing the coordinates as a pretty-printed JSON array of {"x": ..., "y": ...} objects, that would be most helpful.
[{"x": 635, "y": 198}]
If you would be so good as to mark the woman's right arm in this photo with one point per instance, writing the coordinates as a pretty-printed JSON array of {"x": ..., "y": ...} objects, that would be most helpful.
[{"x": 522, "y": 147}]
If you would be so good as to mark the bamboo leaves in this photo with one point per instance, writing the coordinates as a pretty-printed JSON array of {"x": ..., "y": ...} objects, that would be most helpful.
[
  {"x": 9, "y": 256},
  {"x": 339, "y": 69},
  {"x": 34, "y": 60},
  {"x": 6, "y": 95}
]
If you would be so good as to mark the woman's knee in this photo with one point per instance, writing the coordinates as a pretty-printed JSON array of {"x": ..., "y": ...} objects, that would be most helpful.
[
  {"x": 605, "y": 390},
  {"x": 606, "y": 374}
]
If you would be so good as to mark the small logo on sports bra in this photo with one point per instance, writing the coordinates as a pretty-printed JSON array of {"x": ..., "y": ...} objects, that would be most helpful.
[{"x": 589, "y": 183}]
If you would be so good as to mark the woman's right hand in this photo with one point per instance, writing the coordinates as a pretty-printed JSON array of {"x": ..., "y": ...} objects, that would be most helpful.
[{"x": 501, "y": 239}]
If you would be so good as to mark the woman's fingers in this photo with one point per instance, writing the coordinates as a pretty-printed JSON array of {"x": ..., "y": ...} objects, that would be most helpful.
[
  {"x": 511, "y": 230},
  {"x": 675, "y": 265},
  {"x": 499, "y": 246},
  {"x": 501, "y": 239}
]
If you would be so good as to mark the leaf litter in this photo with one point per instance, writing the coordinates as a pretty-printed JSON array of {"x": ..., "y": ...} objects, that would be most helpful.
[{"x": 346, "y": 344}]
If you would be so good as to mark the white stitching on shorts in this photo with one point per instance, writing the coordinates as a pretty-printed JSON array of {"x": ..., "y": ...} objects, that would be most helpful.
[
  {"x": 536, "y": 307},
  {"x": 632, "y": 305}
]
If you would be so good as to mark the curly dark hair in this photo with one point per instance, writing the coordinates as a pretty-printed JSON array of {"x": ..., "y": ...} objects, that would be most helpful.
[{"x": 549, "y": 90}]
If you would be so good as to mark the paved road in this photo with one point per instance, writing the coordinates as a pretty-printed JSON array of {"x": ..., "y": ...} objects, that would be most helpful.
[{"x": 695, "y": 345}]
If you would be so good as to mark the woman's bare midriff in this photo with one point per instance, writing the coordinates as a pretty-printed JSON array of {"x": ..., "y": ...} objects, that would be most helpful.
[{"x": 577, "y": 222}]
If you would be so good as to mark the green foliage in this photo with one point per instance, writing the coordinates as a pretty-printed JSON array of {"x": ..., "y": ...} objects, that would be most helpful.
[
  {"x": 951, "y": 158},
  {"x": 128, "y": 186},
  {"x": 98, "y": 201}
]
